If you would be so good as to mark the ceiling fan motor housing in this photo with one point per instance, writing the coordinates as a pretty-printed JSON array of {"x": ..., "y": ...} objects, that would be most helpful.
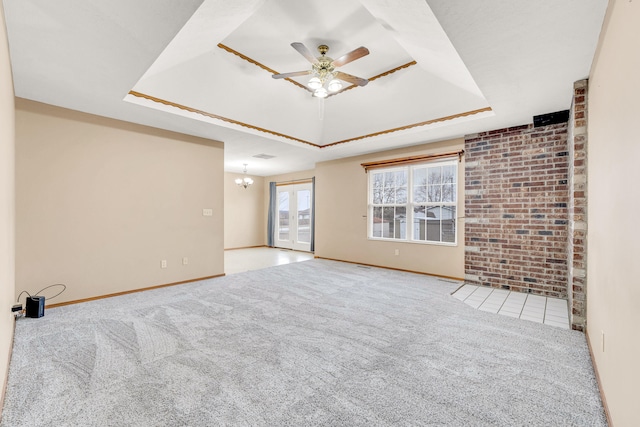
[{"x": 324, "y": 68}]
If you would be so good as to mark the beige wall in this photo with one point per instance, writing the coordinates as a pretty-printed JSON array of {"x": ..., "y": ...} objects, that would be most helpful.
[
  {"x": 7, "y": 204},
  {"x": 341, "y": 223},
  {"x": 99, "y": 204},
  {"x": 281, "y": 179},
  {"x": 244, "y": 216},
  {"x": 613, "y": 290}
]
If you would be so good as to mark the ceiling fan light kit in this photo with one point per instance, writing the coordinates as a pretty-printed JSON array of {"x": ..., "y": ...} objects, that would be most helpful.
[{"x": 323, "y": 69}]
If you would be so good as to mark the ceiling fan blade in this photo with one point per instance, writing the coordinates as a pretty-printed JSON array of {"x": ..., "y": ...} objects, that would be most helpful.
[
  {"x": 352, "y": 79},
  {"x": 351, "y": 56},
  {"x": 287, "y": 75},
  {"x": 302, "y": 50}
]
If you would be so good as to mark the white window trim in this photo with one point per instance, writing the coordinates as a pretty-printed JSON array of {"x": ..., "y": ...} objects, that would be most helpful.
[{"x": 410, "y": 203}]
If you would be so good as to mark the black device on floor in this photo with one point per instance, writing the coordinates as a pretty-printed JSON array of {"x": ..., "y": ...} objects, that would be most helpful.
[{"x": 35, "y": 306}]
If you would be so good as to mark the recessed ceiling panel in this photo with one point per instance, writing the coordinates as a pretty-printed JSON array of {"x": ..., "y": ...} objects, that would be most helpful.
[{"x": 230, "y": 76}]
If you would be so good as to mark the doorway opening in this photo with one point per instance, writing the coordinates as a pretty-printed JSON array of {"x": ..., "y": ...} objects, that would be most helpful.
[{"x": 295, "y": 216}]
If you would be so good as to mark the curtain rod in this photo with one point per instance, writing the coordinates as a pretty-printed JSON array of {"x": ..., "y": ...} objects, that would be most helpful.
[
  {"x": 295, "y": 181},
  {"x": 412, "y": 159}
]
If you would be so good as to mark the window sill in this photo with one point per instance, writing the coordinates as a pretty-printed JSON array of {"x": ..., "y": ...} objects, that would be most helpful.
[{"x": 413, "y": 242}]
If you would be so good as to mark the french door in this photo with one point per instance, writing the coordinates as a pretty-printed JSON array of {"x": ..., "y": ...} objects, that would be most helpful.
[{"x": 293, "y": 228}]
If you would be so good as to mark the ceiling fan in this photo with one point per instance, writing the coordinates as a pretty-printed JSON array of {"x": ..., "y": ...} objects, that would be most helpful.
[{"x": 325, "y": 76}]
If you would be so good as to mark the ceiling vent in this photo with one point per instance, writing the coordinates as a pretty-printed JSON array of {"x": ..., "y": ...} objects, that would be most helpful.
[{"x": 264, "y": 156}]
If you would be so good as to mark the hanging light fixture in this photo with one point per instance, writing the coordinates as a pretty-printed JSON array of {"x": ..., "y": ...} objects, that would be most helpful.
[{"x": 246, "y": 181}]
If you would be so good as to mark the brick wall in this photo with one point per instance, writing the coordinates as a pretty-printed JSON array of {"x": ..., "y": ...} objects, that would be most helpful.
[
  {"x": 516, "y": 216},
  {"x": 577, "y": 230}
]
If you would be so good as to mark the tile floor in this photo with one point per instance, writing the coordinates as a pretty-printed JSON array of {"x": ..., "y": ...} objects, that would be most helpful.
[
  {"x": 239, "y": 260},
  {"x": 536, "y": 308}
]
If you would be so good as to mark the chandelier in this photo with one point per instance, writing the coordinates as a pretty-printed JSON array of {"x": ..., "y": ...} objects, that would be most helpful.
[
  {"x": 324, "y": 75},
  {"x": 246, "y": 181}
]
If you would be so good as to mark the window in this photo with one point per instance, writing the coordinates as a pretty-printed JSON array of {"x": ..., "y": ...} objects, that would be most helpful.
[{"x": 416, "y": 203}]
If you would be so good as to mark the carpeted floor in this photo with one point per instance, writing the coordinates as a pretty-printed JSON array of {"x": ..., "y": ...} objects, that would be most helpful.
[{"x": 311, "y": 343}]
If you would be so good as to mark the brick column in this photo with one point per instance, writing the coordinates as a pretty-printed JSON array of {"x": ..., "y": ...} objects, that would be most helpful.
[{"x": 577, "y": 242}]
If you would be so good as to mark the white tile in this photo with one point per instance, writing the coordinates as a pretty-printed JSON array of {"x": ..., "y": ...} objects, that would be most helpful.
[
  {"x": 474, "y": 297},
  {"x": 511, "y": 309},
  {"x": 240, "y": 260},
  {"x": 553, "y": 318},
  {"x": 464, "y": 292},
  {"x": 489, "y": 308},
  {"x": 472, "y": 303},
  {"x": 504, "y": 292},
  {"x": 536, "y": 314},
  {"x": 558, "y": 311},
  {"x": 498, "y": 297},
  {"x": 564, "y": 325},
  {"x": 528, "y": 311},
  {"x": 506, "y": 313},
  {"x": 516, "y": 297},
  {"x": 534, "y": 303},
  {"x": 513, "y": 304},
  {"x": 532, "y": 318},
  {"x": 460, "y": 296},
  {"x": 482, "y": 291}
]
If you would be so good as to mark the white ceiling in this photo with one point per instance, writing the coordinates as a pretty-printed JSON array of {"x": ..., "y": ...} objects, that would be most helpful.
[{"x": 478, "y": 66}]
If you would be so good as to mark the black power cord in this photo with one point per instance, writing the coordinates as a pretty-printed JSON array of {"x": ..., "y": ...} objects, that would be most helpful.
[{"x": 64, "y": 288}]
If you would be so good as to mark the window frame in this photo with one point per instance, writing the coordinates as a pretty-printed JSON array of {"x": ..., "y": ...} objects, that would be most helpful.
[{"x": 411, "y": 202}]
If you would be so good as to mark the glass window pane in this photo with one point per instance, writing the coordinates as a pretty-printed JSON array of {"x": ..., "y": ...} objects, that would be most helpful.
[
  {"x": 376, "y": 188},
  {"x": 420, "y": 194},
  {"x": 434, "y": 193},
  {"x": 304, "y": 216},
  {"x": 434, "y": 216},
  {"x": 377, "y": 227},
  {"x": 401, "y": 195},
  {"x": 400, "y": 223},
  {"x": 419, "y": 223},
  {"x": 420, "y": 176},
  {"x": 283, "y": 216},
  {"x": 448, "y": 174},
  {"x": 389, "y": 192},
  {"x": 389, "y": 178},
  {"x": 388, "y": 222},
  {"x": 449, "y": 193},
  {"x": 435, "y": 175},
  {"x": 449, "y": 224}
]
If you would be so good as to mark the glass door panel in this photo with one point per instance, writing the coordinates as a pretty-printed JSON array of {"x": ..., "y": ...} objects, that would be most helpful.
[{"x": 295, "y": 217}]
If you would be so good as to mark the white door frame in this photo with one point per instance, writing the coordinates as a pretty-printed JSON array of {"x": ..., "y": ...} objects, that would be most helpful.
[{"x": 293, "y": 226}]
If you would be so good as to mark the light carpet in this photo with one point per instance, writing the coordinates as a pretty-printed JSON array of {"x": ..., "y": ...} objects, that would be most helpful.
[{"x": 311, "y": 343}]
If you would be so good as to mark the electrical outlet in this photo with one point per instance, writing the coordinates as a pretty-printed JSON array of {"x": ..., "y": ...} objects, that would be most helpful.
[
  {"x": 397, "y": 251},
  {"x": 207, "y": 212},
  {"x": 185, "y": 261},
  {"x": 163, "y": 263}
]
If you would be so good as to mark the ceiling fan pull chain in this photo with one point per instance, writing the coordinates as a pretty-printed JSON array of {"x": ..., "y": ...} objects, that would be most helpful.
[{"x": 320, "y": 108}]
